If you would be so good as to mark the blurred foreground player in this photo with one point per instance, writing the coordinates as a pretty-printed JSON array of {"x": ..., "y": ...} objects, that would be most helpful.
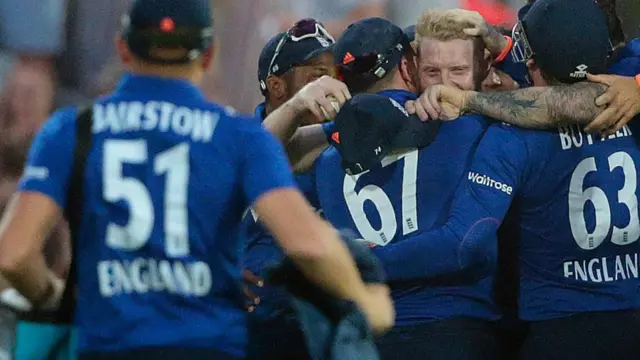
[{"x": 167, "y": 178}]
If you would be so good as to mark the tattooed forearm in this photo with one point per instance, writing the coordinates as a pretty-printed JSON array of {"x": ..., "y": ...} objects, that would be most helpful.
[
  {"x": 540, "y": 107},
  {"x": 521, "y": 107},
  {"x": 575, "y": 104}
]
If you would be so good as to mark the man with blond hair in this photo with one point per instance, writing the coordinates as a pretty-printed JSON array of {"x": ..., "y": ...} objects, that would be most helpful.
[{"x": 457, "y": 47}]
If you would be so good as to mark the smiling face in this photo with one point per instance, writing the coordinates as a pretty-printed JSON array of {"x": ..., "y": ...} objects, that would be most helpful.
[
  {"x": 446, "y": 54},
  {"x": 450, "y": 62}
]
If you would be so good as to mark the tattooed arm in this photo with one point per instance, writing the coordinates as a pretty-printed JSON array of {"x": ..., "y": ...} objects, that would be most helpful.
[{"x": 539, "y": 107}]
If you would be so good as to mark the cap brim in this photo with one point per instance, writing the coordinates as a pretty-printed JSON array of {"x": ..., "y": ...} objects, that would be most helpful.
[
  {"x": 319, "y": 52},
  {"x": 296, "y": 53}
]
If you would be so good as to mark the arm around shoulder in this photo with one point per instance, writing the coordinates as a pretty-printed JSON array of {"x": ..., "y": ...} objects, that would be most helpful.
[{"x": 540, "y": 107}]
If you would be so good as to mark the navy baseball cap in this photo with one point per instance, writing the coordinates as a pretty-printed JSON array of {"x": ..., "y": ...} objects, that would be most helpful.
[
  {"x": 567, "y": 39},
  {"x": 183, "y": 24},
  {"x": 370, "y": 126},
  {"x": 367, "y": 51},
  {"x": 523, "y": 11},
  {"x": 305, "y": 40}
]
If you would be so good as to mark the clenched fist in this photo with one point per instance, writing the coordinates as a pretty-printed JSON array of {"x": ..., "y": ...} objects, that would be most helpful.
[{"x": 323, "y": 97}]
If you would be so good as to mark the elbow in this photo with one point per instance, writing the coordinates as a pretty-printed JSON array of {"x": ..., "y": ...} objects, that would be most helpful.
[
  {"x": 478, "y": 264},
  {"x": 11, "y": 262},
  {"x": 478, "y": 250},
  {"x": 13, "y": 257},
  {"x": 478, "y": 258}
]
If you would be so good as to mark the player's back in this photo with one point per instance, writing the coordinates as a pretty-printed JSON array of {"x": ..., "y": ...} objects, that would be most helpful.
[
  {"x": 579, "y": 223},
  {"x": 163, "y": 198},
  {"x": 410, "y": 193}
]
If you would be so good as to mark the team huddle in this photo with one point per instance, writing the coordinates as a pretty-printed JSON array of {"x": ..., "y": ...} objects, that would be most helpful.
[{"x": 468, "y": 169}]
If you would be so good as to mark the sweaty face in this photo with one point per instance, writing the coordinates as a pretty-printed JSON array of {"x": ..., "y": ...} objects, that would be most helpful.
[
  {"x": 448, "y": 62},
  {"x": 303, "y": 74}
]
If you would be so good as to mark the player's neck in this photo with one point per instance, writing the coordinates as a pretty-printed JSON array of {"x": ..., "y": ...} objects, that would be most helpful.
[
  {"x": 395, "y": 83},
  {"x": 391, "y": 86},
  {"x": 189, "y": 73}
]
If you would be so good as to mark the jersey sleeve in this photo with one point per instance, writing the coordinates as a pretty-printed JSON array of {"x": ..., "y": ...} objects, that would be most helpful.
[
  {"x": 265, "y": 165},
  {"x": 467, "y": 242},
  {"x": 50, "y": 159},
  {"x": 307, "y": 184},
  {"x": 628, "y": 63},
  {"x": 328, "y": 128}
]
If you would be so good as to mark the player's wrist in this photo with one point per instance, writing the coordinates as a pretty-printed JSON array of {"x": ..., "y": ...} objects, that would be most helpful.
[
  {"x": 297, "y": 105},
  {"x": 363, "y": 299},
  {"x": 638, "y": 79},
  {"x": 466, "y": 100},
  {"x": 505, "y": 47}
]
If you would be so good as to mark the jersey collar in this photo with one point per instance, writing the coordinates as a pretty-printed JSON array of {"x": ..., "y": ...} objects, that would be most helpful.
[
  {"x": 400, "y": 96},
  {"x": 260, "y": 112},
  {"x": 176, "y": 88}
]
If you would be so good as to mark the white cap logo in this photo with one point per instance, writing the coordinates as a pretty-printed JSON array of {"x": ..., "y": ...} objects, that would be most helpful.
[{"x": 581, "y": 71}]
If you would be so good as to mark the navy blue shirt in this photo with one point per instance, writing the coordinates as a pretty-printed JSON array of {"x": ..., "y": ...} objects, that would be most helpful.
[
  {"x": 578, "y": 206},
  {"x": 167, "y": 180},
  {"x": 410, "y": 194}
]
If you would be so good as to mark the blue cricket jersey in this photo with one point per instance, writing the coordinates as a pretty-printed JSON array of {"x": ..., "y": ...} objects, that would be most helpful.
[
  {"x": 578, "y": 216},
  {"x": 410, "y": 194},
  {"x": 167, "y": 180}
]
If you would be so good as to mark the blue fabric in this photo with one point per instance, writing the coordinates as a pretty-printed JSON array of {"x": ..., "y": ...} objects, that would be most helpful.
[
  {"x": 579, "y": 226},
  {"x": 410, "y": 194},
  {"x": 517, "y": 70},
  {"x": 628, "y": 60},
  {"x": 167, "y": 180},
  {"x": 260, "y": 112}
]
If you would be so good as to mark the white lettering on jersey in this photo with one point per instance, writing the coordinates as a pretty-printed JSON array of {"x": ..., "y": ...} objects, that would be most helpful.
[
  {"x": 374, "y": 194},
  {"x": 489, "y": 182},
  {"x": 121, "y": 117},
  {"x": 605, "y": 269},
  {"x": 36, "y": 172},
  {"x": 142, "y": 275},
  {"x": 572, "y": 136},
  {"x": 591, "y": 237}
]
